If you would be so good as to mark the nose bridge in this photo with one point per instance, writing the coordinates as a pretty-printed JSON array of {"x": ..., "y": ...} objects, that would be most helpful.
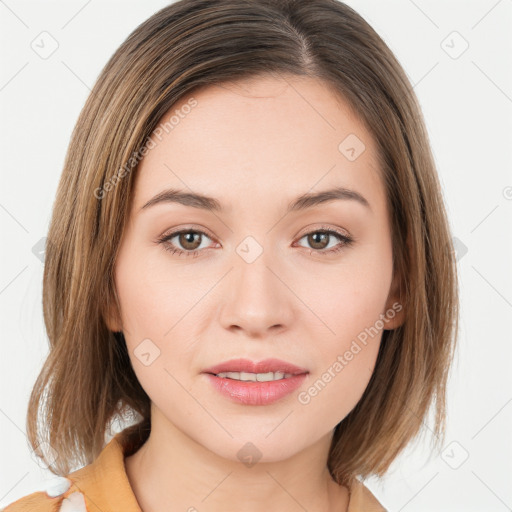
[{"x": 258, "y": 299}]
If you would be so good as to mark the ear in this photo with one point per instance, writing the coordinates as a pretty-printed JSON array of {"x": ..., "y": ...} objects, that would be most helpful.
[
  {"x": 395, "y": 305},
  {"x": 394, "y": 312},
  {"x": 111, "y": 314}
]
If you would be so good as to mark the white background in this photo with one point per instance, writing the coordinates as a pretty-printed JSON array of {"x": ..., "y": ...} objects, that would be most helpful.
[{"x": 467, "y": 104}]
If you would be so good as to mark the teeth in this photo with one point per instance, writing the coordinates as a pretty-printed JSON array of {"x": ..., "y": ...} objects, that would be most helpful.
[{"x": 259, "y": 377}]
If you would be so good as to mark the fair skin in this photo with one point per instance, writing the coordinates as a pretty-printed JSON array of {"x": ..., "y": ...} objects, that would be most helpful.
[{"x": 254, "y": 146}]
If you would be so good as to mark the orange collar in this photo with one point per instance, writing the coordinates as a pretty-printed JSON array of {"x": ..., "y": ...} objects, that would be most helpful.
[
  {"x": 104, "y": 482},
  {"x": 105, "y": 487}
]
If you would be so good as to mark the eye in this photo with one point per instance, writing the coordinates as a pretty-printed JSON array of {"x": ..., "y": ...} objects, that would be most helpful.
[
  {"x": 189, "y": 239},
  {"x": 320, "y": 239}
]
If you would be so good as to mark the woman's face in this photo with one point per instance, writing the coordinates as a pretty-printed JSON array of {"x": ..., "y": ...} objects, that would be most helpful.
[{"x": 256, "y": 279}]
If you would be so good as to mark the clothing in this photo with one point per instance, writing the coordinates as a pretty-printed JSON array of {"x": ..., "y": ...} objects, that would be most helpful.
[{"x": 103, "y": 486}]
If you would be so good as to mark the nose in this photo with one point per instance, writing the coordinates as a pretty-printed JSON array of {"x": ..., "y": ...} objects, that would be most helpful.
[{"x": 256, "y": 296}]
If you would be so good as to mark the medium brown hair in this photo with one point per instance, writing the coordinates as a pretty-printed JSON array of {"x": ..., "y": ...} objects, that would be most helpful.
[{"x": 87, "y": 380}]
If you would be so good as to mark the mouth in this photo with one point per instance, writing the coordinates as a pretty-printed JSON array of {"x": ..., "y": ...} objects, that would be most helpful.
[
  {"x": 249, "y": 383},
  {"x": 244, "y": 369},
  {"x": 254, "y": 377}
]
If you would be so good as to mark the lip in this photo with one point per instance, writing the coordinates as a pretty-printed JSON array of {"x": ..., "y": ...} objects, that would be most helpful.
[
  {"x": 265, "y": 366},
  {"x": 256, "y": 393}
]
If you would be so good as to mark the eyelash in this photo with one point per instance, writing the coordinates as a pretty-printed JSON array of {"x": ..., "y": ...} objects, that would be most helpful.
[{"x": 346, "y": 241}]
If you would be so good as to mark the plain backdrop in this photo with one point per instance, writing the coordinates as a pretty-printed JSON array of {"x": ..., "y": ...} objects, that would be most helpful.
[{"x": 457, "y": 56}]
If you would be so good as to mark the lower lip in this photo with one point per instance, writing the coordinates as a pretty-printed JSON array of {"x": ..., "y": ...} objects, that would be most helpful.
[{"x": 256, "y": 393}]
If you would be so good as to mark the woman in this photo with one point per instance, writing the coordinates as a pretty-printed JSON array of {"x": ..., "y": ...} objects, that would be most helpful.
[{"x": 250, "y": 253}]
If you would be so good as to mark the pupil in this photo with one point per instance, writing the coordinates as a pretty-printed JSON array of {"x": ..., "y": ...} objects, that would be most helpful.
[
  {"x": 317, "y": 239},
  {"x": 188, "y": 240}
]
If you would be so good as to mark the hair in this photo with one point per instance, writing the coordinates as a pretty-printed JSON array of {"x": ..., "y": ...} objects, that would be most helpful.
[{"x": 87, "y": 379}]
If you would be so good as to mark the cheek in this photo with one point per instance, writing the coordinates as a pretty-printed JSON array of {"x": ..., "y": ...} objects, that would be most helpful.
[
  {"x": 334, "y": 392},
  {"x": 346, "y": 347},
  {"x": 154, "y": 304},
  {"x": 149, "y": 313},
  {"x": 147, "y": 293},
  {"x": 348, "y": 302}
]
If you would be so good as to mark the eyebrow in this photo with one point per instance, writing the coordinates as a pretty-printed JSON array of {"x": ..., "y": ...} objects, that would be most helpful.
[{"x": 303, "y": 202}]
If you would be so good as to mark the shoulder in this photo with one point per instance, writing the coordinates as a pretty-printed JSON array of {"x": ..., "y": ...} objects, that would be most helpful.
[
  {"x": 362, "y": 499},
  {"x": 60, "y": 495},
  {"x": 101, "y": 485}
]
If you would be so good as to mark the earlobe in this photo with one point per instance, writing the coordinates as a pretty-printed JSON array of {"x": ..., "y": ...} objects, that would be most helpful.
[
  {"x": 394, "y": 313},
  {"x": 111, "y": 317},
  {"x": 111, "y": 322}
]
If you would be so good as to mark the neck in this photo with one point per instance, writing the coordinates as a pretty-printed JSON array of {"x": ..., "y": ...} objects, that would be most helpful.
[{"x": 172, "y": 472}]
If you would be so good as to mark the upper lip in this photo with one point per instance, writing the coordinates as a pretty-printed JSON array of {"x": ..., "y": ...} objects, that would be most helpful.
[{"x": 265, "y": 366}]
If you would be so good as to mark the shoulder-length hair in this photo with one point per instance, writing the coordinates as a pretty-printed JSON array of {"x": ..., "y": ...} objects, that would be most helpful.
[{"x": 87, "y": 380}]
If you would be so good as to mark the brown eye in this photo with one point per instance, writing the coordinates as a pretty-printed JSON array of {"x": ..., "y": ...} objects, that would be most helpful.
[
  {"x": 186, "y": 242},
  {"x": 320, "y": 239},
  {"x": 189, "y": 240}
]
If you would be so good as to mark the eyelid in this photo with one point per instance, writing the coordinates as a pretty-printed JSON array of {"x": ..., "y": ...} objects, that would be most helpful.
[
  {"x": 191, "y": 227},
  {"x": 307, "y": 230},
  {"x": 324, "y": 227}
]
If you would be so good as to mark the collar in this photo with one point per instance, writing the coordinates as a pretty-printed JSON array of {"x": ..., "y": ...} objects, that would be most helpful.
[{"x": 105, "y": 485}]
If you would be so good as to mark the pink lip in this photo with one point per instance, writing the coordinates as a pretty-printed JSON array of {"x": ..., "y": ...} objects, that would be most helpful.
[
  {"x": 265, "y": 366},
  {"x": 256, "y": 393}
]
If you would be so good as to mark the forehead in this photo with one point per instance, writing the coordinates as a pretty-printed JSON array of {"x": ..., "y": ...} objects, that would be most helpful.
[{"x": 264, "y": 138}]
